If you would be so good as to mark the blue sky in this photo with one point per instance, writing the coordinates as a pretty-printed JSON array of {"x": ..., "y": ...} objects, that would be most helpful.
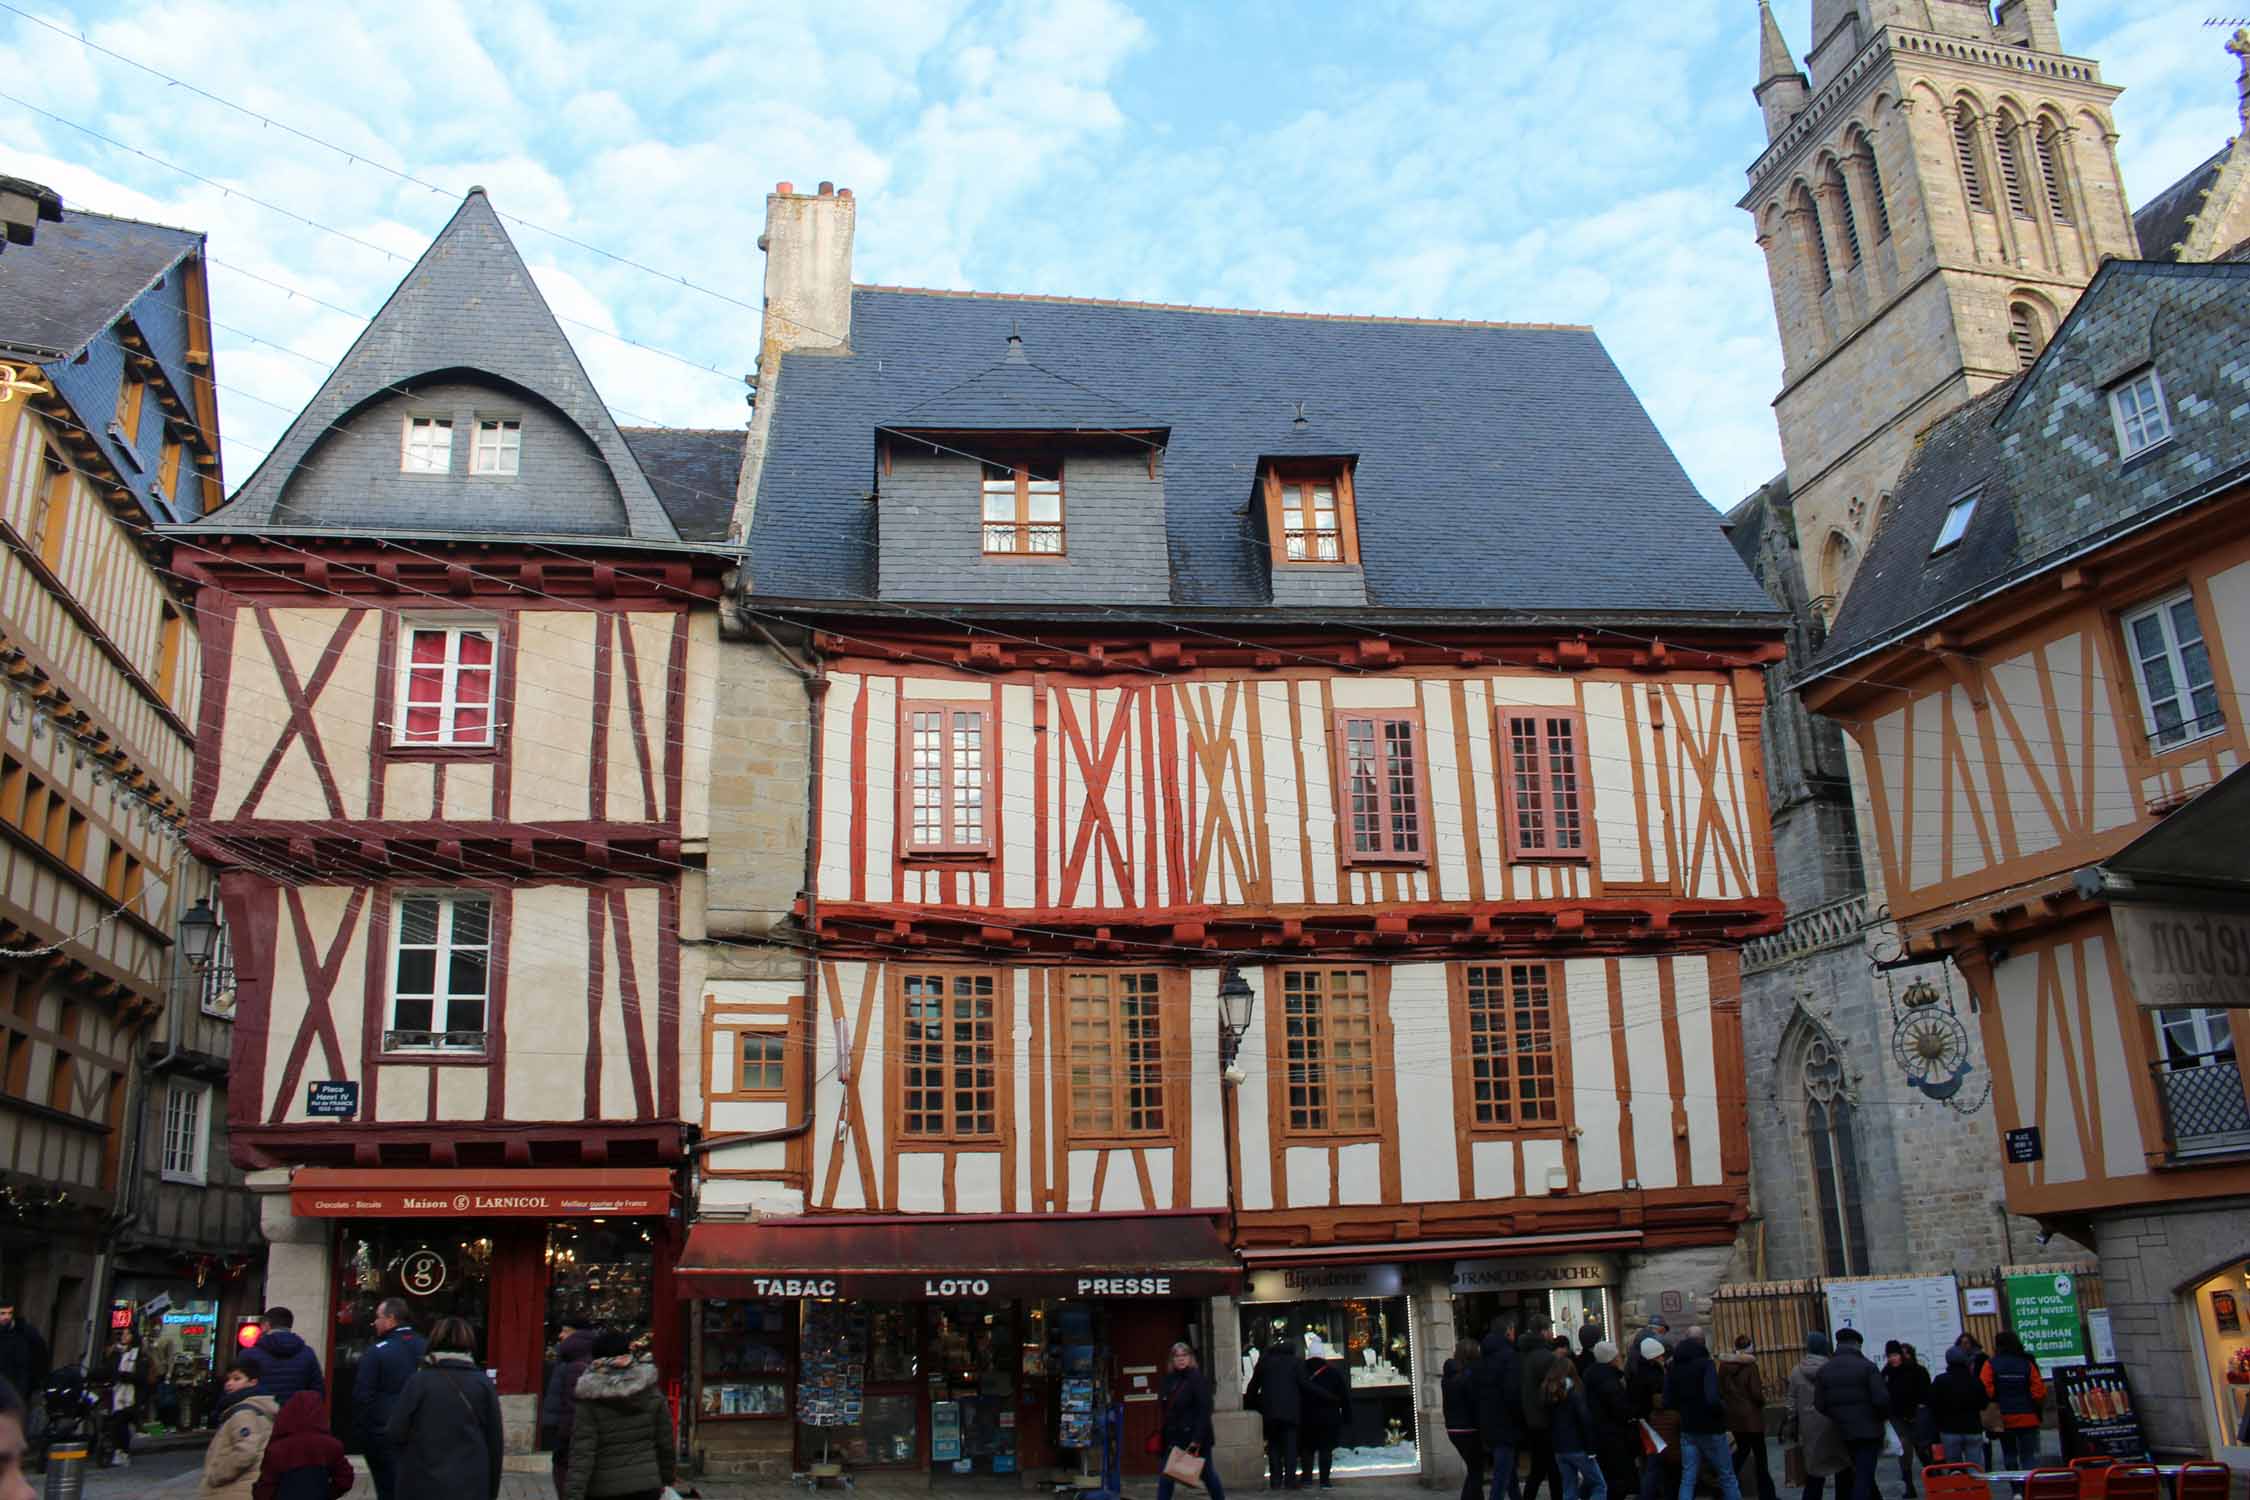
[{"x": 1540, "y": 160}]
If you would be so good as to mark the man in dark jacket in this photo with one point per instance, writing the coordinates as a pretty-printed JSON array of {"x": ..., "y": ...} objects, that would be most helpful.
[
  {"x": 1743, "y": 1388},
  {"x": 560, "y": 1405},
  {"x": 1617, "y": 1436},
  {"x": 23, "y": 1353},
  {"x": 1535, "y": 1356},
  {"x": 382, "y": 1376},
  {"x": 1957, "y": 1407},
  {"x": 1328, "y": 1411},
  {"x": 1500, "y": 1407},
  {"x": 283, "y": 1362},
  {"x": 1691, "y": 1389},
  {"x": 1850, "y": 1392},
  {"x": 1277, "y": 1393}
]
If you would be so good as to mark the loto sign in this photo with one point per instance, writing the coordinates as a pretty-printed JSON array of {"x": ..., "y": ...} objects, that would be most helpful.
[{"x": 2181, "y": 958}]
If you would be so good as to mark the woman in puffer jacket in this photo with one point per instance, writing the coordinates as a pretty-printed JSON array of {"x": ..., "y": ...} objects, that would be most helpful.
[{"x": 621, "y": 1445}]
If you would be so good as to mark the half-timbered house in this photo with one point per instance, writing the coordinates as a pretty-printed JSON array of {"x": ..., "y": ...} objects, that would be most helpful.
[
  {"x": 458, "y": 668},
  {"x": 1295, "y": 776},
  {"x": 2036, "y": 667},
  {"x": 114, "y": 1183}
]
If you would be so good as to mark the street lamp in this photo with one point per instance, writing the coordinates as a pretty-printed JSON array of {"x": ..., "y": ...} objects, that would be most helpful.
[
  {"x": 199, "y": 933},
  {"x": 1236, "y": 1002}
]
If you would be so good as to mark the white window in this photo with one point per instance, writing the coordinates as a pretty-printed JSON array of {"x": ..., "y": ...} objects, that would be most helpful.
[
  {"x": 187, "y": 1132},
  {"x": 441, "y": 972},
  {"x": 2138, "y": 407},
  {"x": 428, "y": 448},
  {"x": 1957, "y": 517},
  {"x": 499, "y": 445},
  {"x": 445, "y": 682},
  {"x": 2179, "y": 701},
  {"x": 2194, "y": 1038}
]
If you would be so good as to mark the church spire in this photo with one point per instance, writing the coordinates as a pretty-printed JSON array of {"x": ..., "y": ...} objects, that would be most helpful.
[{"x": 1781, "y": 90}]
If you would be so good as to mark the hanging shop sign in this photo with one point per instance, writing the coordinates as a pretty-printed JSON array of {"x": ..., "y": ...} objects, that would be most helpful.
[
  {"x": 2043, "y": 1311},
  {"x": 2177, "y": 958},
  {"x": 1320, "y": 1283},
  {"x": 2095, "y": 1405},
  {"x": 1533, "y": 1273}
]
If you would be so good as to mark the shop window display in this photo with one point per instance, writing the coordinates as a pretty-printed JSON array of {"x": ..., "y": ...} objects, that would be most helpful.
[
  {"x": 857, "y": 1398},
  {"x": 2222, "y": 1317},
  {"x": 972, "y": 1359},
  {"x": 746, "y": 1353},
  {"x": 1373, "y": 1337},
  {"x": 443, "y": 1270}
]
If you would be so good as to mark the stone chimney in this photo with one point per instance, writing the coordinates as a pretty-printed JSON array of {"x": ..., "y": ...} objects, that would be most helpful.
[
  {"x": 808, "y": 246},
  {"x": 2030, "y": 23}
]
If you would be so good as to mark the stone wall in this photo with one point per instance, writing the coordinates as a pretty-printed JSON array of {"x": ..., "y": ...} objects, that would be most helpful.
[
  {"x": 760, "y": 800},
  {"x": 2151, "y": 1257}
]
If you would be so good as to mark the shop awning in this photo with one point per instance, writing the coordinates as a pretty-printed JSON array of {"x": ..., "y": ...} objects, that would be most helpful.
[
  {"x": 908, "y": 1257},
  {"x": 439, "y": 1192},
  {"x": 1483, "y": 1248}
]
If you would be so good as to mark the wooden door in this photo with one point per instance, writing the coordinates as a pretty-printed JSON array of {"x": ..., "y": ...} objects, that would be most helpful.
[{"x": 1141, "y": 1335}]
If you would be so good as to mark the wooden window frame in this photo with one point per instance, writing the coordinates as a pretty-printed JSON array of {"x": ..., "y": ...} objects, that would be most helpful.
[
  {"x": 171, "y": 641},
  {"x": 1170, "y": 1001},
  {"x": 1276, "y": 483},
  {"x": 132, "y": 395},
  {"x": 949, "y": 846},
  {"x": 895, "y": 1057},
  {"x": 1022, "y": 468},
  {"x": 1511, "y": 826},
  {"x": 168, "y": 467},
  {"x": 198, "y": 1172},
  {"x": 2126, "y": 451},
  {"x": 1390, "y": 855},
  {"x": 406, "y": 445},
  {"x": 1280, "y": 1064},
  {"x": 441, "y": 996},
  {"x": 499, "y": 449},
  {"x": 1459, "y": 985},
  {"x": 450, "y": 668},
  {"x": 2160, "y": 608},
  {"x": 729, "y": 1034}
]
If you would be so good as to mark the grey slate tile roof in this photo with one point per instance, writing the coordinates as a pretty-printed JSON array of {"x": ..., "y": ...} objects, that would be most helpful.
[
  {"x": 467, "y": 311},
  {"x": 1499, "y": 468},
  {"x": 2162, "y": 222},
  {"x": 2043, "y": 446},
  {"x": 59, "y": 293},
  {"x": 694, "y": 472}
]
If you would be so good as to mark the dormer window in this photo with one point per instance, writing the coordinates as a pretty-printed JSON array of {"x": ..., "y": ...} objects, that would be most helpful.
[
  {"x": 1309, "y": 513},
  {"x": 1023, "y": 509},
  {"x": 427, "y": 447},
  {"x": 2137, "y": 405},
  {"x": 499, "y": 446}
]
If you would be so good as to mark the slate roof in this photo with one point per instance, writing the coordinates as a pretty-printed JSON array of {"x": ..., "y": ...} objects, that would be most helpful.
[
  {"x": 468, "y": 305},
  {"x": 1504, "y": 469},
  {"x": 694, "y": 472},
  {"x": 60, "y": 293},
  {"x": 2162, "y": 222}
]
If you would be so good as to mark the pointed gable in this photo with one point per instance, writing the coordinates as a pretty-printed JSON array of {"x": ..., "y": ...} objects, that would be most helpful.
[{"x": 466, "y": 334}]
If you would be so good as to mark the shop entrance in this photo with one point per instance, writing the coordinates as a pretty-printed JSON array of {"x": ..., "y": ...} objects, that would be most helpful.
[
  {"x": 1359, "y": 1315},
  {"x": 1569, "y": 1293},
  {"x": 2221, "y": 1318}
]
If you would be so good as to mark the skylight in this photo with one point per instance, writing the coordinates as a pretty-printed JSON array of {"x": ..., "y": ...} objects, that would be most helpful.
[{"x": 1956, "y": 522}]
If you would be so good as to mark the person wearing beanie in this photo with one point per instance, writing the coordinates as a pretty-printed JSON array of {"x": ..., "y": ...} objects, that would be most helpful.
[
  {"x": 1616, "y": 1437},
  {"x": 621, "y": 1440},
  {"x": 1812, "y": 1447},
  {"x": 1957, "y": 1406},
  {"x": 1691, "y": 1388},
  {"x": 1743, "y": 1388},
  {"x": 1850, "y": 1392}
]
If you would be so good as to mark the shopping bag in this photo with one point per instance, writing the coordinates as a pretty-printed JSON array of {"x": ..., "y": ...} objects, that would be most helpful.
[
  {"x": 1892, "y": 1448},
  {"x": 1991, "y": 1419},
  {"x": 1652, "y": 1442},
  {"x": 1184, "y": 1467}
]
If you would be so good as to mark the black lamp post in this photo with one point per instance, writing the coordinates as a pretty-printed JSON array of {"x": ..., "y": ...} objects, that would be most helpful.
[
  {"x": 1236, "y": 1002},
  {"x": 199, "y": 934}
]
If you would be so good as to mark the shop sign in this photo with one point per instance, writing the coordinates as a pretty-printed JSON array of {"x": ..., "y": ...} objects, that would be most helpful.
[
  {"x": 2043, "y": 1311},
  {"x": 422, "y": 1272},
  {"x": 437, "y": 1201},
  {"x": 2095, "y": 1406},
  {"x": 2178, "y": 958},
  {"x": 159, "y": 1303},
  {"x": 332, "y": 1101},
  {"x": 962, "y": 1284},
  {"x": 1533, "y": 1272},
  {"x": 1320, "y": 1283}
]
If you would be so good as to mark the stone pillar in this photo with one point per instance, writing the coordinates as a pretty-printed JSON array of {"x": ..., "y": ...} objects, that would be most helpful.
[
  {"x": 1239, "y": 1435},
  {"x": 1434, "y": 1335},
  {"x": 298, "y": 1274}
]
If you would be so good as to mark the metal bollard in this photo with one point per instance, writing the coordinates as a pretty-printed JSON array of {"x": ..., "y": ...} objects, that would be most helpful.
[{"x": 66, "y": 1469}]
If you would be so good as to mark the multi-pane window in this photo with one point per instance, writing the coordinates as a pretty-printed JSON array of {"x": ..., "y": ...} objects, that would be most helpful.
[
  {"x": 948, "y": 782},
  {"x": 1956, "y": 523},
  {"x": 2194, "y": 1037},
  {"x": 761, "y": 1059},
  {"x": 1381, "y": 769},
  {"x": 1023, "y": 510},
  {"x": 1544, "y": 800},
  {"x": 186, "y": 1132},
  {"x": 445, "y": 685},
  {"x": 1833, "y": 1155},
  {"x": 2179, "y": 698},
  {"x": 441, "y": 972},
  {"x": 1309, "y": 519},
  {"x": 427, "y": 447},
  {"x": 499, "y": 445},
  {"x": 2137, "y": 406},
  {"x": 1328, "y": 1030},
  {"x": 949, "y": 1058},
  {"x": 1511, "y": 1045},
  {"x": 171, "y": 638},
  {"x": 54, "y": 509},
  {"x": 1116, "y": 1052}
]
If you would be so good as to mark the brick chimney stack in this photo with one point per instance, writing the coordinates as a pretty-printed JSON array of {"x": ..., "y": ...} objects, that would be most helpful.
[{"x": 808, "y": 246}]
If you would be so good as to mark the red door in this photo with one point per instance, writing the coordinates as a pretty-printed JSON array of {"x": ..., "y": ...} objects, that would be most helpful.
[{"x": 1141, "y": 1335}]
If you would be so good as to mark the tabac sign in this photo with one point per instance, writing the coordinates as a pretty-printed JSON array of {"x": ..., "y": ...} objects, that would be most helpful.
[{"x": 2179, "y": 957}]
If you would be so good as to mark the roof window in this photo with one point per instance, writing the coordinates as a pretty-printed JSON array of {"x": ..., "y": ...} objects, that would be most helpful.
[{"x": 1956, "y": 523}]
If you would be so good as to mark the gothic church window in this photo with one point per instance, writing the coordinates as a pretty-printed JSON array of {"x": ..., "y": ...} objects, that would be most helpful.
[
  {"x": 1815, "y": 241},
  {"x": 1833, "y": 1157},
  {"x": 1864, "y": 152},
  {"x": 1965, "y": 150},
  {"x": 2047, "y": 146},
  {"x": 2026, "y": 332},
  {"x": 2011, "y": 171},
  {"x": 1844, "y": 213}
]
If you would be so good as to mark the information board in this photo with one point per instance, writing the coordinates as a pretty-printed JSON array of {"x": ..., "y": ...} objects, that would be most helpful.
[
  {"x": 334, "y": 1100},
  {"x": 2095, "y": 1407},
  {"x": 2043, "y": 1311},
  {"x": 1924, "y": 1311}
]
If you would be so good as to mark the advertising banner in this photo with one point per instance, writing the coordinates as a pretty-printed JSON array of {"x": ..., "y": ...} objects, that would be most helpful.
[
  {"x": 2096, "y": 1409},
  {"x": 2043, "y": 1311}
]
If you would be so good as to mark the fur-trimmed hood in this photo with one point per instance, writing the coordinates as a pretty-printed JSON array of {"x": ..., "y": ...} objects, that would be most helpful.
[{"x": 604, "y": 1381}]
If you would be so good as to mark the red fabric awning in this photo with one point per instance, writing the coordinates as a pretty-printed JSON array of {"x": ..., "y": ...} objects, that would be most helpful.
[
  {"x": 440, "y": 1192},
  {"x": 907, "y": 1258}
]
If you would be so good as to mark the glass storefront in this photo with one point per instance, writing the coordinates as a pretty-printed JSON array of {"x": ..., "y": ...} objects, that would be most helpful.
[
  {"x": 1569, "y": 1292},
  {"x": 2222, "y": 1318},
  {"x": 1361, "y": 1316}
]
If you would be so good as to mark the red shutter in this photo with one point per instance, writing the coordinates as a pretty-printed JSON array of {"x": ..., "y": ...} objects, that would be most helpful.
[{"x": 1543, "y": 811}]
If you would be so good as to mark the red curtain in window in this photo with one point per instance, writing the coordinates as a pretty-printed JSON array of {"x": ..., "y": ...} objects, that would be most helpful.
[{"x": 425, "y": 684}]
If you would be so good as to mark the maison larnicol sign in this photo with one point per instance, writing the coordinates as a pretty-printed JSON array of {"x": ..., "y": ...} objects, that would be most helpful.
[{"x": 2181, "y": 958}]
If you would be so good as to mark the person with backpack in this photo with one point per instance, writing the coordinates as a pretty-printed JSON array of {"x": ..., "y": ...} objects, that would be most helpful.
[
  {"x": 1570, "y": 1429},
  {"x": 445, "y": 1426},
  {"x": 1850, "y": 1392},
  {"x": 2012, "y": 1379},
  {"x": 243, "y": 1428},
  {"x": 1691, "y": 1388},
  {"x": 1500, "y": 1407},
  {"x": 303, "y": 1462},
  {"x": 621, "y": 1439},
  {"x": 283, "y": 1362}
]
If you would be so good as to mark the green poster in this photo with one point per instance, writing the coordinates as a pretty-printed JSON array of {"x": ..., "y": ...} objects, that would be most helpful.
[{"x": 2043, "y": 1310}]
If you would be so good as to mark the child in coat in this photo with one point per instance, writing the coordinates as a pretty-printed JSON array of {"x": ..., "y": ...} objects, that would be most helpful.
[{"x": 303, "y": 1462}]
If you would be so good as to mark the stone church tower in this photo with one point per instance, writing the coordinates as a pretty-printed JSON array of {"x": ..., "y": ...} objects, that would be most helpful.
[{"x": 1932, "y": 200}]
